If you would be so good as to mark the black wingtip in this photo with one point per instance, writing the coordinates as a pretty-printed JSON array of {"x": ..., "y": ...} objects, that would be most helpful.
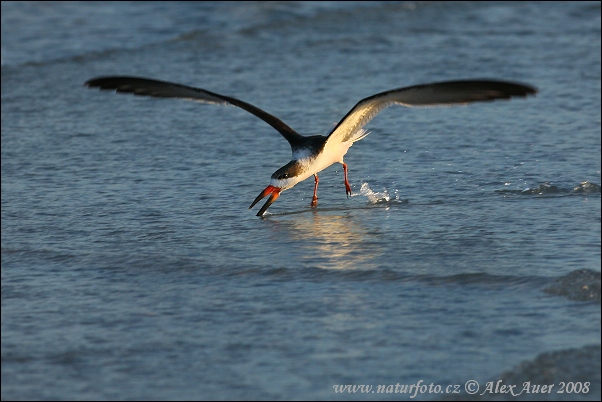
[{"x": 97, "y": 82}]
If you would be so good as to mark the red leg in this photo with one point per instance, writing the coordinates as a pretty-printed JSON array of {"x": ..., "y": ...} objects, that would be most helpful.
[
  {"x": 314, "y": 201},
  {"x": 347, "y": 186}
]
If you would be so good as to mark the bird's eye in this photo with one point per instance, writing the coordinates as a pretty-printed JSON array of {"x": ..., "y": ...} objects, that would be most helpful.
[{"x": 283, "y": 176}]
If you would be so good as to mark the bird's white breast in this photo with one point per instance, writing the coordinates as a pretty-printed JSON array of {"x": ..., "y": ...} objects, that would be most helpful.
[{"x": 332, "y": 153}]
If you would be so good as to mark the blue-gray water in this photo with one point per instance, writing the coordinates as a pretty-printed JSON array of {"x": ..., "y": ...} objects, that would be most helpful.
[{"x": 132, "y": 268}]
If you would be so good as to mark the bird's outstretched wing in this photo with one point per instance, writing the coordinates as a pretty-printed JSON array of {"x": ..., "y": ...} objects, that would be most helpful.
[
  {"x": 163, "y": 89},
  {"x": 437, "y": 94}
]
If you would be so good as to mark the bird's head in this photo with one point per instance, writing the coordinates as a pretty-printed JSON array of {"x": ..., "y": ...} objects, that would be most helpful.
[{"x": 284, "y": 178}]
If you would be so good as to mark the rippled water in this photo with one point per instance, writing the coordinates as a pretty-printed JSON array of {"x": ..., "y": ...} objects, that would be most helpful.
[{"x": 132, "y": 268}]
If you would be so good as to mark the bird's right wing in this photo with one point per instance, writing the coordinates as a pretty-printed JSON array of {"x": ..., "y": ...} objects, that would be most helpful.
[
  {"x": 163, "y": 89},
  {"x": 438, "y": 94}
]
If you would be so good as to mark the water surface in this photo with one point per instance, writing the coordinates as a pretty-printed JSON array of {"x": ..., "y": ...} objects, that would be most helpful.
[{"x": 132, "y": 268}]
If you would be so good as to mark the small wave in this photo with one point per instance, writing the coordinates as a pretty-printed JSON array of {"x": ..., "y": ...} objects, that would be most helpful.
[
  {"x": 582, "y": 285},
  {"x": 579, "y": 367},
  {"x": 587, "y": 187},
  {"x": 546, "y": 188}
]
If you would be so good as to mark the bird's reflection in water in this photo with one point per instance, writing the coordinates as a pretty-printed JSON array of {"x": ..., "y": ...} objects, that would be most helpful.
[{"x": 330, "y": 240}]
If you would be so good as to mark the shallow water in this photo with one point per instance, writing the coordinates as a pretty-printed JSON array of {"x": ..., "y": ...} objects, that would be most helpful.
[{"x": 132, "y": 268}]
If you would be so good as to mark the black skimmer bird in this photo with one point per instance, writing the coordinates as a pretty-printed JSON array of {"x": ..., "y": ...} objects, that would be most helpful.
[{"x": 313, "y": 154}]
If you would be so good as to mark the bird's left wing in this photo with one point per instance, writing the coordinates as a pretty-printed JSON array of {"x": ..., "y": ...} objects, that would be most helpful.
[
  {"x": 163, "y": 89},
  {"x": 437, "y": 94}
]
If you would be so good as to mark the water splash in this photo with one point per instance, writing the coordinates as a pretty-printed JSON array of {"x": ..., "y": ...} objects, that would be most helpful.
[{"x": 376, "y": 197}]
